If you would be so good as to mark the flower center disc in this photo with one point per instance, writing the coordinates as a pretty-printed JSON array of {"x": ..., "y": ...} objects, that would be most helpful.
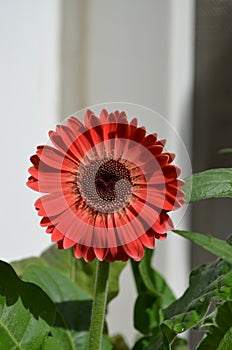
[{"x": 105, "y": 185}]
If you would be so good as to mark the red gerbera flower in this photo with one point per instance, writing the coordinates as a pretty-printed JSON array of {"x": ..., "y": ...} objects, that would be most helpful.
[{"x": 109, "y": 187}]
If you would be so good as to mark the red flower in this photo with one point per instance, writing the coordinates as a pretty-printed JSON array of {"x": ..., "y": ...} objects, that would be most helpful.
[{"x": 109, "y": 187}]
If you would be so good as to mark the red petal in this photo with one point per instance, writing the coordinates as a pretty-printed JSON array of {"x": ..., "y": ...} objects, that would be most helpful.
[
  {"x": 89, "y": 254},
  {"x": 147, "y": 241},
  {"x": 122, "y": 118},
  {"x": 79, "y": 251},
  {"x": 138, "y": 134},
  {"x": 33, "y": 184},
  {"x": 50, "y": 229},
  {"x": 61, "y": 146},
  {"x": 104, "y": 116},
  {"x": 134, "y": 250},
  {"x": 163, "y": 224},
  {"x": 101, "y": 253},
  {"x": 76, "y": 126},
  {"x": 45, "y": 222},
  {"x": 149, "y": 140},
  {"x": 121, "y": 254},
  {"x": 56, "y": 235},
  {"x": 155, "y": 150},
  {"x": 171, "y": 171},
  {"x": 123, "y": 130},
  {"x": 68, "y": 243},
  {"x": 55, "y": 158},
  {"x": 134, "y": 122},
  {"x": 54, "y": 203},
  {"x": 95, "y": 132}
]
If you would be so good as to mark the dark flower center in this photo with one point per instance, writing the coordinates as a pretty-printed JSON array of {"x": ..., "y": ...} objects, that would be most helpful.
[
  {"x": 107, "y": 180},
  {"x": 105, "y": 185}
]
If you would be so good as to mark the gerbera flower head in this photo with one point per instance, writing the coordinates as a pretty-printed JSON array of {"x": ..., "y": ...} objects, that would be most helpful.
[{"x": 108, "y": 187}]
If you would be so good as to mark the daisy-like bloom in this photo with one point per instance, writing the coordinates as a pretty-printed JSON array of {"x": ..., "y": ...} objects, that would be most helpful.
[{"x": 108, "y": 187}]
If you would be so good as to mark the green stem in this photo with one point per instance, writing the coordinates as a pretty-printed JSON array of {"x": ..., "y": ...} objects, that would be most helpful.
[{"x": 99, "y": 305}]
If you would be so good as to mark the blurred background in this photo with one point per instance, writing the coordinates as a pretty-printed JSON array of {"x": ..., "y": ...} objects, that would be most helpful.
[{"x": 57, "y": 57}]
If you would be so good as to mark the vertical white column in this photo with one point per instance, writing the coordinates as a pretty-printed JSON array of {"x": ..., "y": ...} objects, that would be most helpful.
[
  {"x": 174, "y": 256},
  {"x": 73, "y": 57},
  {"x": 29, "y": 86},
  {"x": 127, "y": 56}
]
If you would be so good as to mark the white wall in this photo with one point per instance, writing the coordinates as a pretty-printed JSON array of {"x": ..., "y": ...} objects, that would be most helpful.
[{"x": 29, "y": 71}]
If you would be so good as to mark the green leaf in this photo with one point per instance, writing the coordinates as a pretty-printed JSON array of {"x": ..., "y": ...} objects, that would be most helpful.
[
  {"x": 51, "y": 344},
  {"x": 158, "y": 343},
  {"x": 81, "y": 272},
  {"x": 26, "y": 312},
  {"x": 81, "y": 340},
  {"x": 154, "y": 282},
  {"x": 212, "y": 183},
  {"x": 154, "y": 295},
  {"x": 225, "y": 151},
  {"x": 70, "y": 284},
  {"x": 106, "y": 343},
  {"x": 77, "y": 270},
  {"x": 118, "y": 342},
  {"x": 115, "y": 270},
  {"x": 149, "y": 280},
  {"x": 73, "y": 305},
  {"x": 212, "y": 244},
  {"x": 140, "y": 285},
  {"x": 146, "y": 313},
  {"x": 151, "y": 343},
  {"x": 219, "y": 329},
  {"x": 180, "y": 347},
  {"x": 21, "y": 265},
  {"x": 59, "y": 287},
  {"x": 180, "y": 344},
  {"x": 208, "y": 282}
]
